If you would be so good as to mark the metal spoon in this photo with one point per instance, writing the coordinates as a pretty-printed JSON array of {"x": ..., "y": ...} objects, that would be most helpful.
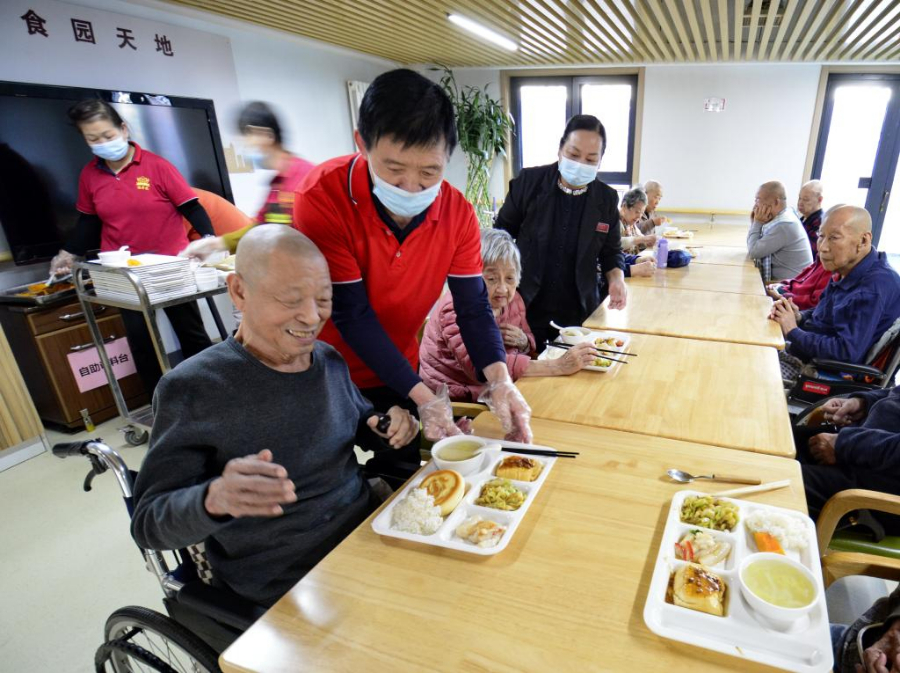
[{"x": 686, "y": 478}]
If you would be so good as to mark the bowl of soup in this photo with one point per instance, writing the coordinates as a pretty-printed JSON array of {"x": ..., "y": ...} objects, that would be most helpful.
[
  {"x": 459, "y": 453},
  {"x": 778, "y": 587},
  {"x": 574, "y": 335}
]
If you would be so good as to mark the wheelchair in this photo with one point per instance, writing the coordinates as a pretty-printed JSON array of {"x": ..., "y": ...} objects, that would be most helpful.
[
  {"x": 202, "y": 619},
  {"x": 821, "y": 379}
]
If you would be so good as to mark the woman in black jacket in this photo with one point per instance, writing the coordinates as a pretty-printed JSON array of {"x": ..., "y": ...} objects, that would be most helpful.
[{"x": 566, "y": 222}]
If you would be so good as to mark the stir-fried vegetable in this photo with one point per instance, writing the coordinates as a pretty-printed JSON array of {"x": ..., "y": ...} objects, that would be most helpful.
[{"x": 709, "y": 512}]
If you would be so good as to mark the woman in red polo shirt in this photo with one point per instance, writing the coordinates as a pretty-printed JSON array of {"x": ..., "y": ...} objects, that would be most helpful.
[
  {"x": 129, "y": 196},
  {"x": 263, "y": 138}
]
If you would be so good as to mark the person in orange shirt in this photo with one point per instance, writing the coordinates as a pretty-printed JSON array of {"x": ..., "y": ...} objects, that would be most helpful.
[{"x": 224, "y": 215}]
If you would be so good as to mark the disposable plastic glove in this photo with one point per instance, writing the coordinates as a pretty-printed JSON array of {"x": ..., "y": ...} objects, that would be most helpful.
[{"x": 507, "y": 404}]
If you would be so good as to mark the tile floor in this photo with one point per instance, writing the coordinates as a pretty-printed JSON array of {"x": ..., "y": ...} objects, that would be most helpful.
[{"x": 67, "y": 560}]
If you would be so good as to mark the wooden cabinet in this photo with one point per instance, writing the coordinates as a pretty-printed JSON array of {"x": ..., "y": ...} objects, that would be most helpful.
[{"x": 41, "y": 340}]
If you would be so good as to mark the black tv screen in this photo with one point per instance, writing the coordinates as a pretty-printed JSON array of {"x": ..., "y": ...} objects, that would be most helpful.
[{"x": 42, "y": 155}]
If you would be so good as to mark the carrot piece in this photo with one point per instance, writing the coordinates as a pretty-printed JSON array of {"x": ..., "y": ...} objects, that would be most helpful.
[{"x": 767, "y": 542}]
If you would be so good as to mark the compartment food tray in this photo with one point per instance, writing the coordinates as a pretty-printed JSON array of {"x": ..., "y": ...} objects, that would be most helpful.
[
  {"x": 803, "y": 647},
  {"x": 552, "y": 353},
  {"x": 446, "y": 534}
]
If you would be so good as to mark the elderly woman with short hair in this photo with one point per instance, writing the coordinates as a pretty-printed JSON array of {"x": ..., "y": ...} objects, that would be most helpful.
[
  {"x": 633, "y": 241},
  {"x": 443, "y": 358}
]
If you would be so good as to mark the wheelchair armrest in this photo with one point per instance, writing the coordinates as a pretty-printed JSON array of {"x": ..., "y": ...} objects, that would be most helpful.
[{"x": 837, "y": 366}]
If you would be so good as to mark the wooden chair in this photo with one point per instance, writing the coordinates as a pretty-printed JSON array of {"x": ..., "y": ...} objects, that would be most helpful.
[{"x": 851, "y": 553}]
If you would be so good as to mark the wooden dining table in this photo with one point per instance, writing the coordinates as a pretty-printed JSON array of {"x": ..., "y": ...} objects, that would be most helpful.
[
  {"x": 721, "y": 255},
  {"x": 692, "y": 314},
  {"x": 732, "y": 235},
  {"x": 567, "y": 594},
  {"x": 710, "y": 277},
  {"x": 708, "y": 392}
]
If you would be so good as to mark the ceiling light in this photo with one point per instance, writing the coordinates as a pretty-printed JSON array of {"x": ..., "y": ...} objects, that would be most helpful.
[{"x": 482, "y": 31}]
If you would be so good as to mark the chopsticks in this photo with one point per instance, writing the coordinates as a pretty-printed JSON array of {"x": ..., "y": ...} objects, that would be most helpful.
[
  {"x": 542, "y": 452},
  {"x": 747, "y": 490},
  {"x": 565, "y": 346}
]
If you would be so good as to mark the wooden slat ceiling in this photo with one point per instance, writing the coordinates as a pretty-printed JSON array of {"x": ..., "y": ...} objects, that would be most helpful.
[{"x": 579, "y": 32}]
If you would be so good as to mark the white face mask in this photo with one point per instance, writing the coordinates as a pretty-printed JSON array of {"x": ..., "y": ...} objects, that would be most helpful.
[
  {"x": 401, "y": 202},
  {"x": 577, "y": 174},
  {"x": 112, "y": 150}
]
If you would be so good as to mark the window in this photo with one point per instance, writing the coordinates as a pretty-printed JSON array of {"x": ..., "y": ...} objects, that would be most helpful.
[
  {"x": 541, "y": 106},
  {"x": 858, "y": 149}
]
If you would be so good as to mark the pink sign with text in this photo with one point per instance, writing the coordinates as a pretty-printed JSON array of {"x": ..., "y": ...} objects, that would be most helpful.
[{"x": 88, "y": 370}]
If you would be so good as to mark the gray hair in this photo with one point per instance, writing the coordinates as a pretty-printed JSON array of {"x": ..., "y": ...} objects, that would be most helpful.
[
  {"x": 498, "y": 246},
  {"x": 815, "y": 186},
  {"x": 652, "y": 186},
  {"x": 634, "y": 196}
]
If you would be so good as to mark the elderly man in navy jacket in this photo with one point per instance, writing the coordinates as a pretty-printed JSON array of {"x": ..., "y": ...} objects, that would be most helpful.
[
  {"x": 858, "y": 306},
  {"x": 864, "y": 453}
]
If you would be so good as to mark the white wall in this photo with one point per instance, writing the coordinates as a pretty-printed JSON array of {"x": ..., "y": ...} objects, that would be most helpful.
[
  {"x": 717, "y": 160},
  {"x": 712, "y": 160},
  {"x": 456, "y": 171}
]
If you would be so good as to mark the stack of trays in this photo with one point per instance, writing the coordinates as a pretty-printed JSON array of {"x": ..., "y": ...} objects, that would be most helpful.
[{"x": 164, "y": 277}]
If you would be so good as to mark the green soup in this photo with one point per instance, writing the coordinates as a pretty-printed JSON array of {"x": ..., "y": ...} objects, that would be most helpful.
[
  {"x": 779, "y": 584},
  {"x": 459, "y": 451}
]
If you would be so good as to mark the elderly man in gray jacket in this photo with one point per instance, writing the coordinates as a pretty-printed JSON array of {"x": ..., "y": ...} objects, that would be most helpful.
[{"x": 777, "y": 241}]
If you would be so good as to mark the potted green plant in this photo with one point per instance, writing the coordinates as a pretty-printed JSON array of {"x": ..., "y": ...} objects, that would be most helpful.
[{"x": 483, "y": 127}]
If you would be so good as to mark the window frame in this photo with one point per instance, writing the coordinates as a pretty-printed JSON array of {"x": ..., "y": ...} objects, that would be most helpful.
[
  {"x": 573, "y": 84},
  {"x": 886, "y": 157}
]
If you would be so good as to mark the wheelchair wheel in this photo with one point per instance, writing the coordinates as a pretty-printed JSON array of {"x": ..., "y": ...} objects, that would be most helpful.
[
  {"x": 178, "y": 648},
  {"x": 136, "y": 437},
  {"x": 138, "y": 658}
]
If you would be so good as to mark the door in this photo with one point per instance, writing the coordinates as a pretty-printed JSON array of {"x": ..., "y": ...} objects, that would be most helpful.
[{"x": 857, "y": 150}]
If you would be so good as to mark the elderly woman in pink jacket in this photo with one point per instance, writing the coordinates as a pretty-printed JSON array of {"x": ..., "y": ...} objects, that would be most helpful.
[{"x": 442, "y": 355}]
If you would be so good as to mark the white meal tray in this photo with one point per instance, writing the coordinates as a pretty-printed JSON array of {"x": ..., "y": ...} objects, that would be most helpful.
[
  {"x": 803, "y": 647},
  {"x": 551, "y": 353},
  {"x": 446, "y": 534}
]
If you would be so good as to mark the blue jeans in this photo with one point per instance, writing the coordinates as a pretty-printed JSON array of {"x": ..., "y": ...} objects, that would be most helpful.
[{"x": 837, "y": 635}]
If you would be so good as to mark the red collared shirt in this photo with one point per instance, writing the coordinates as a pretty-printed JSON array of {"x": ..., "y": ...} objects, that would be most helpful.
[
  {"x": 334, "y": 208},
  {"x": 137, "y": 206}
]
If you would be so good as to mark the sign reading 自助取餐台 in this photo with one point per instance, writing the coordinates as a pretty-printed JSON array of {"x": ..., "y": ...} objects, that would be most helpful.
[{"x": 88, "y": 371}]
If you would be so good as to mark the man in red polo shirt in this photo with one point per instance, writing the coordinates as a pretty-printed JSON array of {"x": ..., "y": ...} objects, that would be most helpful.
[{"x": 394, "y": 232}]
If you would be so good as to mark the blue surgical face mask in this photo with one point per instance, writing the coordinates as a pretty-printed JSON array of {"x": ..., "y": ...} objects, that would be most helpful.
[
  {"x": 401, "y": 202},
  {"x": 256, "y": 157},
  {"x": 577, "y": 174},
  {"x": 112, "y": 150}
]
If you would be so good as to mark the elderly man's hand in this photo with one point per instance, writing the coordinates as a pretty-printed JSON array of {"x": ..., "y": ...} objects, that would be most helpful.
[
  {"x": 250, "y": 486},
  {"x": 844, "y": 411},
  {"x": 884, "y": 655},
  {"x": 821, "y": 447},
  {"x": 783, "y": 313},
  {"x": 402, "y": 430}
]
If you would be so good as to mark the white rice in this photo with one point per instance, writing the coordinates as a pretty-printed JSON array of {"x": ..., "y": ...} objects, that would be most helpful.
[
  {"x": 417, "y": 514},
  {"x": 790, "y": 531}
]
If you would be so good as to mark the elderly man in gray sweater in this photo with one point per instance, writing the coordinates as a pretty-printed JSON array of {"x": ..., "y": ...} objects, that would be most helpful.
[
  {"x": 252, "y": 442},
  {"x": 777, "y": 241}
]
